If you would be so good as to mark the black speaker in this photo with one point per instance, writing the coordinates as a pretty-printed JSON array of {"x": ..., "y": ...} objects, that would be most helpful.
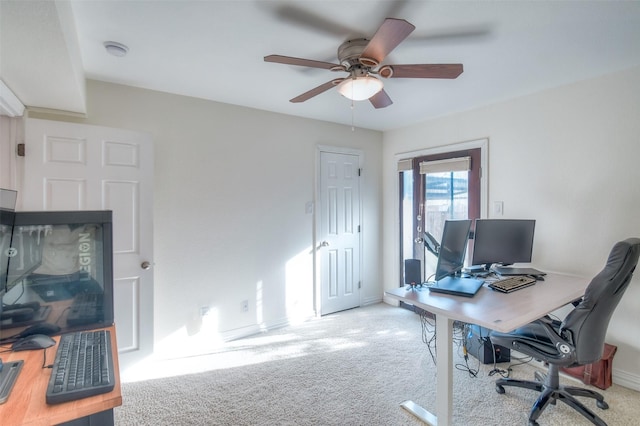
[{"x": 412, "y": 273}]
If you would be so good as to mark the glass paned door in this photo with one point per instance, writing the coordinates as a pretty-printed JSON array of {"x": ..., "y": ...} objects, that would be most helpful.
[{"x": 434, "y": 189}]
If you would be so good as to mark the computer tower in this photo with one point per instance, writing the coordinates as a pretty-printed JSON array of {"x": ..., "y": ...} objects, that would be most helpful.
[{"x": 479, "y": 346}]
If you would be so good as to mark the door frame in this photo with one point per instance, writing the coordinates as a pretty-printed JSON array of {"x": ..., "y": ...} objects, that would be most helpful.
[
  {"x": 317, "y": 202},
  {"x": 483, "y": 144}
]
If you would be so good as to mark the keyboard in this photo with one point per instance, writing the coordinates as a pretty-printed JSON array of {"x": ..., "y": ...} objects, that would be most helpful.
[
  {"x": 83, "y": 367},
  {"x": 86, "y": 309},
  {"x": 507, "y": 285}
]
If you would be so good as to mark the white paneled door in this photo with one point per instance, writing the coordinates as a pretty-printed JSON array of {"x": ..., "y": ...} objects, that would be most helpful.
[
  {"x": 339, "y": 231},
  {"x": 81, "y": 167}
]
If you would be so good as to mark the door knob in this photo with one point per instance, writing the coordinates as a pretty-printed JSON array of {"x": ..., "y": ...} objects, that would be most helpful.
[
  {"x": 324, "y": 244},
  {"x": 145, "y": 265}
]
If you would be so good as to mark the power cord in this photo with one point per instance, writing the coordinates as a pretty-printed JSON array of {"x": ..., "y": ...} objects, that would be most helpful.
[
  {"x": 44, "y": 359},
  {"x": 460, "y": 338},
  {"x": 428, "y": 332},
  {"x": 472, "y": 372}
]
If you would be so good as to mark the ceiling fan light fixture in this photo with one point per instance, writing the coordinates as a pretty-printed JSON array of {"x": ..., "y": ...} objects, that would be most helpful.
[{"x": 360, "y": 88}]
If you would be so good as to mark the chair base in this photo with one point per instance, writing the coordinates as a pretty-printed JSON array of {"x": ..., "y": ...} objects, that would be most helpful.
[{"x": 551, "y": 391}]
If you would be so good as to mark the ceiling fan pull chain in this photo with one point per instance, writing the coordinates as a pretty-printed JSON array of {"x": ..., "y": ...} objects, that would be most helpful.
[{"x": 353, "y": 107}]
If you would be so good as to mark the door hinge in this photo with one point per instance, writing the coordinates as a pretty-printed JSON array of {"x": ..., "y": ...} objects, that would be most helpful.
[
  {"x": 360, "y": 172},
  {"x": 358, "y": 228},
  {"x": 20, "y": 150},
  {"x": 359, "y": 284}
]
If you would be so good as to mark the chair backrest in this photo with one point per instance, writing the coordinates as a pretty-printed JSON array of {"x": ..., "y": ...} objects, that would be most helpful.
[{"x": 586, "y": 326}]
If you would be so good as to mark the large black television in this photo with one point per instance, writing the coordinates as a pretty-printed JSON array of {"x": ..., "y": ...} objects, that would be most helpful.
[
  {"x": 60, "y": 264},
  {"x": 502, "y": 241}
]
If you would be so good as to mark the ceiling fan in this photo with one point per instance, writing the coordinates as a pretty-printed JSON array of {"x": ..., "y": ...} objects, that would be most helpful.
[{"x": 362, "y": 59}]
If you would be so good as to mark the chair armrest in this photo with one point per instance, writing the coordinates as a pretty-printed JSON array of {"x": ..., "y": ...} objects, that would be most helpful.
[{"x": 565, "y": 351}]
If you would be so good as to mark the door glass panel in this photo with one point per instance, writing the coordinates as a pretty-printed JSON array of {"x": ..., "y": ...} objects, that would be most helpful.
[
  {"x": 446, "y": 198},
  {"x": 407, "y": 223}
]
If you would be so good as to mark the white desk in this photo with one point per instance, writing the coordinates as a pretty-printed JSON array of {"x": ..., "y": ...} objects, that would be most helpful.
[{"x": 490, "y": 309}]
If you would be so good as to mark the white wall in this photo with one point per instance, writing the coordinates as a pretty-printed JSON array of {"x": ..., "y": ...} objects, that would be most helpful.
[
  {"x": 231, "y": 185},
  {"x": 567, "y": 157}
]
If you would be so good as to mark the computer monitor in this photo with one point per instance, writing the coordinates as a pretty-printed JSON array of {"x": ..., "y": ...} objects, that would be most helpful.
[
  {"x": 55, "y": 258},
  {"x": 6, "y": 227},
  {"x": 6, "y": 232},
  {"x": 502, "y": 241},
  {"x": 453, "y": 248}
]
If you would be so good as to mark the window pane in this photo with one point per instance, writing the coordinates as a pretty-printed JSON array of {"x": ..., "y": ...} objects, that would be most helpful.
[
  {"x": 446, "y": 198},
  {"x": 406, "y": 199}
]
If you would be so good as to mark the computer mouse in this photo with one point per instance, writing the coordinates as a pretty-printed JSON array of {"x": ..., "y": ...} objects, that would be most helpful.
[
  {"x": 45, "y": 328},
  {"x": 35, "y": 341}
]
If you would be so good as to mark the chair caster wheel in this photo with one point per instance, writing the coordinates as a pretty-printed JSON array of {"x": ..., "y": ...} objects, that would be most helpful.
[
  {"x": 602, "y": 404},
  {"x": 533, "y": 423},
  {"x": 500, "y": 389}
]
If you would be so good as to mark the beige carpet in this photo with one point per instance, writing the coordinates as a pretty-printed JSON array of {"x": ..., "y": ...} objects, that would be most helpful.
[{"x": 349, "y": 368}]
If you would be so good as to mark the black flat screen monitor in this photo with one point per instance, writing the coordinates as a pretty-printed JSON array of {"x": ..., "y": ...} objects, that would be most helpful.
[
  {"x": 6, "y": 232},
  {"x": 61, "y": 261},
  {"x": 503, "y": 241},
  {"x": 453, "y": 248}
]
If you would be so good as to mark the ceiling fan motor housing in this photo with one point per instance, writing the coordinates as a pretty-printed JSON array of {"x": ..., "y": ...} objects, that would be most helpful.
[{"x": 349, "y": 54}]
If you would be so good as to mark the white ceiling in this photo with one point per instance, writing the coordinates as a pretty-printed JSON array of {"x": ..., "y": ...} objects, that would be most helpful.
[{"x": 214, "y": 50}]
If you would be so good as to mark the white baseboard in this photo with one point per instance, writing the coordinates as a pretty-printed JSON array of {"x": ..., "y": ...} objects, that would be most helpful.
[
  {"x": 254, "y": 329},
  {"x": 371, "y": 301},
  {"x": 626, "y": 379}
]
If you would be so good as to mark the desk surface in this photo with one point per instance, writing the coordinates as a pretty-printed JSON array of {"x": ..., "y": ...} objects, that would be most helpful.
[
  {"x": 499, "y": 311},
  {"x": 26, "y": 404}
]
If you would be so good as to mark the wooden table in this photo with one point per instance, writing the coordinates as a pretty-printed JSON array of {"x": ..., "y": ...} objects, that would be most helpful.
[
  {"x": 490, "y": 309},
  {"x": 27, "y": 406}
]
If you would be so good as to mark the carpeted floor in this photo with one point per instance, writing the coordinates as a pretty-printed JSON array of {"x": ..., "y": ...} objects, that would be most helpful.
[{"x": 349, "y": 368}]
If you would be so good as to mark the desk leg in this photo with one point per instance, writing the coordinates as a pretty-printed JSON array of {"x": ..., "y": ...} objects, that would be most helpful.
[
  {"x": 444, "y": 370},
  {"x": 444, "y": 378}
]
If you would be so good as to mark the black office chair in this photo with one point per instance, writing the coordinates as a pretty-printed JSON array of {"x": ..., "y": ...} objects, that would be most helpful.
[{"x": 578, "y": 340}]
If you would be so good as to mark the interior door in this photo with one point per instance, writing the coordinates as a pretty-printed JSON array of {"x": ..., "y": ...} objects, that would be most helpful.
[
  {"x": 339, "y": 231},
  {"x": 80, "y": 167}
]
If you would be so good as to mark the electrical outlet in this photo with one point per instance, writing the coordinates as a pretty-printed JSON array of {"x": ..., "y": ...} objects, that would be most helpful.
[
  {"x": 204, "y": 311},
  {"x": 245, "y": 306}
]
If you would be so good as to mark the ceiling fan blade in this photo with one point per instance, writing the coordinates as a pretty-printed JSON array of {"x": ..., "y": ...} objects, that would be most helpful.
[
  {"x": 474, "y": 33},
  {"x": 316, "y": 91},
  {"x": 380, "y": 100},
  {"x": 310, "y": 20},
  {"x": 390, "y": 34},
  {"x": 289, "y": 60},
  {"x": 424, "y": 71}
]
